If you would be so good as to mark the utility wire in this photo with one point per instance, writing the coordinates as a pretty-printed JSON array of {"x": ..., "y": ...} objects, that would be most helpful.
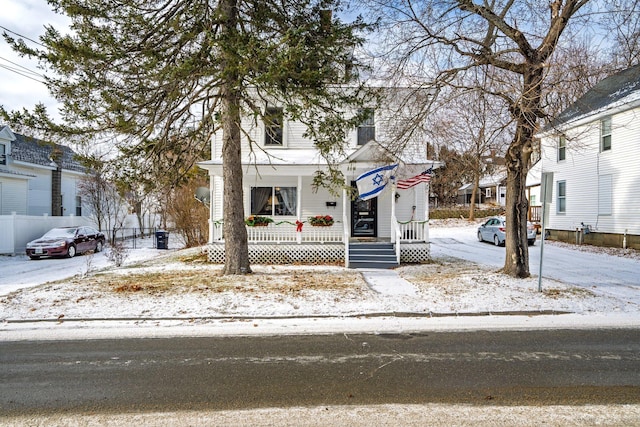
[
  {"x": 21, "y": 73},
  {"x": 21, "y": 36},
  {"x": 17, "y": 68}
]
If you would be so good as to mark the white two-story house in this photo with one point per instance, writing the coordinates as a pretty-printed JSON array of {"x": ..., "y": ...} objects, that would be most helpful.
[
  {"x": 278, "y": 183},
  {"x": 591, "y": 157}
]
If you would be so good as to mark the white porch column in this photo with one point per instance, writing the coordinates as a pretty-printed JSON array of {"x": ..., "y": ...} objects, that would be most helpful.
[
  {"x": 394, "y": 220},
  {"x": 299, "y": 207},
  {"x": 346, "y": 226},
  {"x": 211, "y": 208},
  {"x": 426, "y": 212}
]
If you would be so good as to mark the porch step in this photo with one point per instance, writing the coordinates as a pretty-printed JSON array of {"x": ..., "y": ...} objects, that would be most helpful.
[{"x": 372, "y": 255}]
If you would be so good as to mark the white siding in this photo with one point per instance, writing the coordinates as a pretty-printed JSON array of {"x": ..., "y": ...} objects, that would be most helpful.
[
  {"x": 13, "y": 195},
  {"x": 584, "y": 166}
]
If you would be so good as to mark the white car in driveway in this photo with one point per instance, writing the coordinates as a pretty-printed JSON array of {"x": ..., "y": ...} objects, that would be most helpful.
[{"x": 494, "y": 230}]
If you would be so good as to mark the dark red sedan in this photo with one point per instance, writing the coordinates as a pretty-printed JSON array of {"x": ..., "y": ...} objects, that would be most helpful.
[{"x": 66, "y": 241}]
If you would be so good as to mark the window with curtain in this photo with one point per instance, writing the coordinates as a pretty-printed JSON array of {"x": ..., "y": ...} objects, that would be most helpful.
[{"x": 274, "y": 201}]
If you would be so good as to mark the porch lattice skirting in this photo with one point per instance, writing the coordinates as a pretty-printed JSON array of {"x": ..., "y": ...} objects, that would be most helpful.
[{"x": 310, "y": 253}]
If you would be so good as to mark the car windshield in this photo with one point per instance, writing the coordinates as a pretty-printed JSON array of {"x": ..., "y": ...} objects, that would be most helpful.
[{"x": 60, "y": 232}]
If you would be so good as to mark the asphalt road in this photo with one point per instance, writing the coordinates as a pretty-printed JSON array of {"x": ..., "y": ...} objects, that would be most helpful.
[{"x": 479, "y": 368}]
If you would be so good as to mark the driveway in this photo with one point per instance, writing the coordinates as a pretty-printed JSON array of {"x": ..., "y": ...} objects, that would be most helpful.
[{"x": 584, "y": 266}]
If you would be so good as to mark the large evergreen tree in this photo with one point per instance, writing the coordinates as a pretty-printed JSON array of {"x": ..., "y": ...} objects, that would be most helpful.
[{"x": 168, "y": 73}]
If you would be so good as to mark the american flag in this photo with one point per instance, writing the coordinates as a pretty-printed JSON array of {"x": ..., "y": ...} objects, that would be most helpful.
[{"x": 410, "y": 182}]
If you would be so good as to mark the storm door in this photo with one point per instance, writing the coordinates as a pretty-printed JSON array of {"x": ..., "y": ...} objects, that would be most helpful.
[{"x": 364, "y": 216}]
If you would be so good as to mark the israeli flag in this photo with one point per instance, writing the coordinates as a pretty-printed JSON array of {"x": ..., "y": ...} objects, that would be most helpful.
[{"x": 373, "y": 182}]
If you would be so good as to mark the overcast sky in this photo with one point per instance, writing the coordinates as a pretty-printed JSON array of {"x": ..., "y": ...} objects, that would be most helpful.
[{"x": 20, "y": 87}]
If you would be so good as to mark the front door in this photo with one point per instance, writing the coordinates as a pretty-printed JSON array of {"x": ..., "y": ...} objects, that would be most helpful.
[{"x": 364, "y": 218}]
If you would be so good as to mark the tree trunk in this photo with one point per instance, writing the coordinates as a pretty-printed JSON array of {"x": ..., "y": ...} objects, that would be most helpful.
[
  {"x": 236, "y": 257},
  {"x": 474, "y": 194},
  {"x": 516, "y": 261}
]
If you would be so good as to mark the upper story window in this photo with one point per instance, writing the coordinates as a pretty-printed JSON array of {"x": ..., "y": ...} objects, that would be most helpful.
[
  {"x": 562, "y": 197},
  {"x": 367, "y": 129},
  {"x": 562, "y": 148},
  {"x": 3, "y": 154},
  {"x": 605, "y": 134},
  {"x": 273, "y": 122}
]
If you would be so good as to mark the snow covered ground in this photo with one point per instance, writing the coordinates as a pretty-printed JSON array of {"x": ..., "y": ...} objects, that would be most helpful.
[
  {"x": 161, "y": 293},
  {"x": 171, "y": 292}
]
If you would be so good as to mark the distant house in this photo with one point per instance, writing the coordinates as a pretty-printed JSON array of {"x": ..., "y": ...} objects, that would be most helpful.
[
  {"x": 492, "y": 190},
  {"x": 278, "y": 184},
  {"x": 592, "y": 154},
  {"x": 38, "y": 178}
]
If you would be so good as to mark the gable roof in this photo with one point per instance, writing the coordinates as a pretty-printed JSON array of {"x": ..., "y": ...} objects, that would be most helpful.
[
  {"x": 31, "y": 150},
  {"x": 612, "y": 92}
]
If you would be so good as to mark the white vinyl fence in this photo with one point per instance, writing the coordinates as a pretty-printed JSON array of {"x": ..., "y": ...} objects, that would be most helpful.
[{"x": 18, "y": 230}]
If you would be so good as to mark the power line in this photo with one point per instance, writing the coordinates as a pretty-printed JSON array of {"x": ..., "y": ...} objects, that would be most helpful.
[
  {"x": 21, "y": 67},
  {"x": 21, "y": 36},
  {"x": 22, "y": 73}
]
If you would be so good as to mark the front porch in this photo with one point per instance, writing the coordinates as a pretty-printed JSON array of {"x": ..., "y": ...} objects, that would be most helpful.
[{"x": 284, "y": 243}]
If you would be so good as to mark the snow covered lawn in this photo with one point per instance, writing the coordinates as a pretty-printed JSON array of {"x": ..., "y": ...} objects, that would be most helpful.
[{"x": 178, "y": 286}]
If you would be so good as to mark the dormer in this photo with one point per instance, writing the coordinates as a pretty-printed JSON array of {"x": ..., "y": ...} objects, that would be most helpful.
[{"x": 6, "y": 137}]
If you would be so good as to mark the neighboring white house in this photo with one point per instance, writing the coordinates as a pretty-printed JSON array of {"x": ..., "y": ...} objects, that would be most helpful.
[
  {"x": 38, "y": 184},
  {"x": 32, "y": 182},
  {"x": 593, "y": 152},
  {"x": 278, "y": 183}
]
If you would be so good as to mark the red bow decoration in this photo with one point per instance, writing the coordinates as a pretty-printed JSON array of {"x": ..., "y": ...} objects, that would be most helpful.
[{"x": 299, "y": 226}]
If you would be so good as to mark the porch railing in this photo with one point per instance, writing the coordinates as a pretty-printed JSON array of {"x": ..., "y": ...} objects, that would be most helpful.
[
  {"x": 535, "y": 213},
  {"x": 412, "y": 231},
  {"x": 286, "y": 233}
]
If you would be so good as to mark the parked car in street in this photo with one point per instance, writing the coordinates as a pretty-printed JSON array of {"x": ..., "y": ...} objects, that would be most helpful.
[
  {"x": 66, "y": 241},
  {"x": 494, "y": 230}
]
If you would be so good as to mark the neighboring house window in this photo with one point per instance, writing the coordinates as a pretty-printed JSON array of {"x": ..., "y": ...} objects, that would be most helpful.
[
  {"x": 274, "y": 200},
  {"x": 78, "y": 206},
  {"x": 367, "y": 129},
  {"x": 562, "y": 197},
  {"x": 562, "y": 148},
  {"x": 487, "y": 193},
  {"x": 605, "y": 194},
  {"x": 533, "y": 201},
  {"x": 605, "y": 134},
  {"x": 3, "y": 154},
  {"x": 273, "y": 121}
]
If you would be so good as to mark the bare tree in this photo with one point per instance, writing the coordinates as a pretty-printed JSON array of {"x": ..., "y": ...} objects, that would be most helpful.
[
  {"x": 107, "y": 207},
  {"x": 444, "y": 41},
  {"x": 624, "y": 25},
  {"x": 474, "y": 126}
]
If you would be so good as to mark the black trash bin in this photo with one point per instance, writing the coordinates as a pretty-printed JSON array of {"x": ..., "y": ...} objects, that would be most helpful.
[{"x": 162, "y": 239}]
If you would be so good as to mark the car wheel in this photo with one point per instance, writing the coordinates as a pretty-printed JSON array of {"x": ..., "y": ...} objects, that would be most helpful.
[
  {"x": 98, "y": 246},
  {"x": 532, "y": 242},
  {"x": 496, "y": 240},
  {"x": 71, "y": 252},
  {"x": 480, "y": 236}
]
